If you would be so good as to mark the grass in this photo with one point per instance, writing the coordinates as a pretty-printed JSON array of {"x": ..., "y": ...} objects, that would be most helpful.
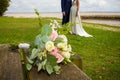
[
  {"x": 15, "y": 30},
  {"x": 101, "y": 53}
]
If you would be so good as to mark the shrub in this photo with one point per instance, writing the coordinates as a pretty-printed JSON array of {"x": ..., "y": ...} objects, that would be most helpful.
[{"x": 3, "y": 6}]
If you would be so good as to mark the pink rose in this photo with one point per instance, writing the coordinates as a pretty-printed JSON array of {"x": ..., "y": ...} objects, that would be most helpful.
[
  {"x": 57, "y": 55},
  {"x": 54, "y": 51},
  {"x": 54, "y": 35}
]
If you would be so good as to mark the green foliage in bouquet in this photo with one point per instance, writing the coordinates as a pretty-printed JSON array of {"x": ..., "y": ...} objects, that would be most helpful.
[
  {"x": 50, "y": 48},
  {"x": 39, "y": 18}
]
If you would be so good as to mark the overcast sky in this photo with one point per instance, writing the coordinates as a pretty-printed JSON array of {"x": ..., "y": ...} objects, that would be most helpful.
[{"x": 54, "y": 5}]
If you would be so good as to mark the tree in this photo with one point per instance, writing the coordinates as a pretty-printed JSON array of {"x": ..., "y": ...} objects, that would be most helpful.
[{"x": 3, "y": 6}]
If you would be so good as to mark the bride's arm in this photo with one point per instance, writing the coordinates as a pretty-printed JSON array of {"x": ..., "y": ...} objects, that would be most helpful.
[{"x": 78, "y": 6}]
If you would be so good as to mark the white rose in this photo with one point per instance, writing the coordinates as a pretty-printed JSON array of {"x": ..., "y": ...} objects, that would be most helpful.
[
  {"x": 62, "y": 46},
  {"x": 49, "y": 46},
  {"x": 66, "y": 54},
  {"x": 63, "y": 37}
]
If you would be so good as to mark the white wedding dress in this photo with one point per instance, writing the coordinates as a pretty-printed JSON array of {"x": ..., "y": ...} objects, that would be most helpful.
[{"x": 76, "y": 25}]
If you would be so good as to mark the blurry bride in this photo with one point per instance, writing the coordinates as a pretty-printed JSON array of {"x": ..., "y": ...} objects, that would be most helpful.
[{"x": 76, "y": 25}]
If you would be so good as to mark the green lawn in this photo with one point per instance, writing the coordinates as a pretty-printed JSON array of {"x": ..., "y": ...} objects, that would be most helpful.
[{"x": 101, "y": 53}]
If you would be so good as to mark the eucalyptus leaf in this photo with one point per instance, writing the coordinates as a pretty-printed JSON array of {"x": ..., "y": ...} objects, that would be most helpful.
[
  {"x": 29, "y": 60},
  {"x": 41, "y": 46},
  {"x": 34, "y": 53},
  {"x": 38, "y": 40},
  {"x": 49, "y": 69},
  {"x": 39, "y": 66},
  {"x": 45, "y": 39},
  {"x": 28, "y": 66},
  {"x": 46, "y": 30}
]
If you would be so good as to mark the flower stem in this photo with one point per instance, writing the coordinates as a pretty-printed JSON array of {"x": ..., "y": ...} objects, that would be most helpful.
[{"x": 23, "y": 61}]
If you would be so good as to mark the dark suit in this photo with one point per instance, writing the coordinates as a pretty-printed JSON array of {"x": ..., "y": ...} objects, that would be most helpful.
[{"x": 66, "y": 5}]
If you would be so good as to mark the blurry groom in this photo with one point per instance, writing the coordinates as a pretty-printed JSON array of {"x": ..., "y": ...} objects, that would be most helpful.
[{"x": 65, "y": 5}]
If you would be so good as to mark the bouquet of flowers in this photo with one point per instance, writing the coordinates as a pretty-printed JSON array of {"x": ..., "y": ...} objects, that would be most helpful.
[{"x": 50, "y": 49}]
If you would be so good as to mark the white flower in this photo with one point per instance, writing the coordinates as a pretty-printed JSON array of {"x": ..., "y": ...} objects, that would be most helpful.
[
  {"x": 62, "y": 46},
  {"x": 53, "y": 26},
  {"x": 50, "y": 24},
  {"x": 49, "y": 46},
  {"x": 69, "y": 48},
  {"x": 24, "y": 45},
  {"x": 55, "y": 22},
  {"x": 63, "y": 37},
  {"x": 59, "y": 26},
  {"x": 66, "y": 54}
]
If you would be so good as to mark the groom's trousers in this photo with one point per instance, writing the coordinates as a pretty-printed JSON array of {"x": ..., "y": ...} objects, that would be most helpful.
[{"x": 65, "y": 19}]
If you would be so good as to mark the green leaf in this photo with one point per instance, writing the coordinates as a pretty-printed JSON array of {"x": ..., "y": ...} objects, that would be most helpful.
[
  {"x": 65, "y": 29},
  {"x": 39, "y": 17},
  {"x": 44, "y": 62},
  {"x": 36, "y": 11},
  {"x": 52, "y": 60},
  {"x": 34, "y": 53},
  {"x": 38, "y": 40},
  {"x": 40, "y": 55},
  {"x": 45, "y": 39},
  {"x": 57, "y": 69},
  {"x": 46, "y": 30},
  {"x": 29, "y": 60},
  {"x": 39, "y": 66},
  {"x": 58, "y": 40},
  {"x": 28, "y": 66},
  {"x": 49, "y": 68}
]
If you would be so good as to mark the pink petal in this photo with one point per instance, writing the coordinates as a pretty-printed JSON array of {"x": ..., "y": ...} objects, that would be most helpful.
[
  {"x": 54, "y": 35},
  {"x": 59, "y": 57}
]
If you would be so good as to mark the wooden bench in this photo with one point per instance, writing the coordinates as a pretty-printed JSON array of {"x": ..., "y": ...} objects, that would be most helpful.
[{"x": 11, "y": 69}]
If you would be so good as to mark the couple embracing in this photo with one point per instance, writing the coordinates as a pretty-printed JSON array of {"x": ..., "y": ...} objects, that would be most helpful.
[{"x": 70, "y": 12}]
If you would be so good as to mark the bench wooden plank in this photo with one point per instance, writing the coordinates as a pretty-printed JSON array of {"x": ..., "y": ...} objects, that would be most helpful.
[
  {"x": 11, "y": 69},
  {"x": 10, "y": 64},
  {"x": 69, "y": 72}
]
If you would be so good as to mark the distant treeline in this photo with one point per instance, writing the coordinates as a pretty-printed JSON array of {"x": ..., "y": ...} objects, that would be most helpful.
[{"x": 105, "y": 17}]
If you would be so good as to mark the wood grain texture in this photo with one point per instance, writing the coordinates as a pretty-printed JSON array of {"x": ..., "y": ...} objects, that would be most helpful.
[
  {"x": 10, "y": 64},
  {"x": 11, "y": 69},
  {"x": 69, "y": 72}
]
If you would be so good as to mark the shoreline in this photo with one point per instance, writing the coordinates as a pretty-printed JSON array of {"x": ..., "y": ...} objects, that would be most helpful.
[{"x": 57, "y": 14}]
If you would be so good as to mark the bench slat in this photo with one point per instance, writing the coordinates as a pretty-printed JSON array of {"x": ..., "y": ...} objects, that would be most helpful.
[{"x": 10, "y": 64}]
